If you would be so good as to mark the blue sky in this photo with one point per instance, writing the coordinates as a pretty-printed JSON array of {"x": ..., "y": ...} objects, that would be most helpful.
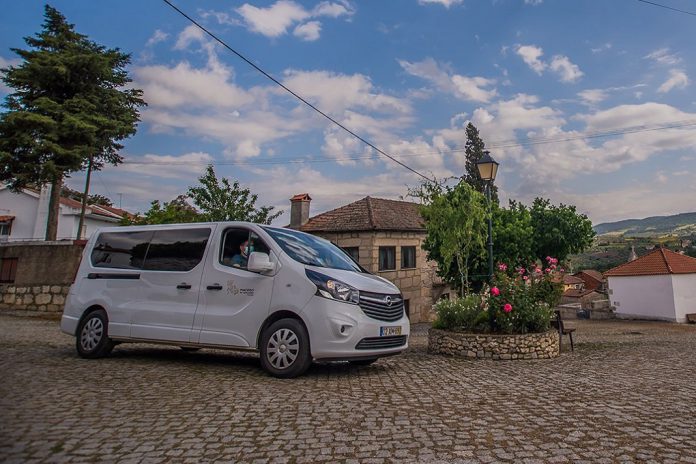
[{"x": 408, "y": 75}]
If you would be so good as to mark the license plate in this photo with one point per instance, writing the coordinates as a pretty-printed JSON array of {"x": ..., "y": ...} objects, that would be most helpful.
[{"x": 387, "y": 331}]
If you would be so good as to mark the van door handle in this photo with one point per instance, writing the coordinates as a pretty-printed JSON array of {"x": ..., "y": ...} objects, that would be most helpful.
[
  {"x": 214, "y": 287},
  {"x": 184, "y": 286}
]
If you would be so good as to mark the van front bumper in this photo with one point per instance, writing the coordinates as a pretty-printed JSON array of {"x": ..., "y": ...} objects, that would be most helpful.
[{"x": 341, "y": 331}]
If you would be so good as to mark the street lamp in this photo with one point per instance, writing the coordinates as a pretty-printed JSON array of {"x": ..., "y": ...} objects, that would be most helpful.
[{"x": 488, "y": 168}]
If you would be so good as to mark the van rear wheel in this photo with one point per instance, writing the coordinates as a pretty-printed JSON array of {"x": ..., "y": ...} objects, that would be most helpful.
[
  {"x": 285, "y": 349},
  {"x": 92, "y": 339}
]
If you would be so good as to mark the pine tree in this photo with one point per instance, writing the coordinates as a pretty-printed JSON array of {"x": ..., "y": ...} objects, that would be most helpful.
[
  {"x": 474, "y": 149},
  {"x": 68, "y": 110}
]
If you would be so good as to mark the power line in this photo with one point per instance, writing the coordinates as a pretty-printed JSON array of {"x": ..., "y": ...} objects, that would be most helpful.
[
  {"x": 498, "y": 144},
  {"x": 668, "y": 7},
  {"x": 273, "y": 79}
]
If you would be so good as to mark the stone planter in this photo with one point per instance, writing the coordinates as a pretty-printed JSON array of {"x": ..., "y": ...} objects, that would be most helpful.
[{"x": 494, "y": 346}]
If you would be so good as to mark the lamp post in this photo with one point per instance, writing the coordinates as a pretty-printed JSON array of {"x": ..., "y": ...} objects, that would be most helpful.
[{"x": 488, "y": 168}]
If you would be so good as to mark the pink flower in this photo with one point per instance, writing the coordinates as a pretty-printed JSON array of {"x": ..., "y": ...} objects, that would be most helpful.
[
  {"x": 502, "y": 267},
  {"x": 548, "y": 258},
  {"x": 547, "y": 270},
  {"x": 507, "y": 308},
  {"x": 554, "y": 261},
  {"x": 521, "y": 270},
  {"x": 537, "y": 270},
  {"x": 495, "y": 291},
  {"x": 525, "y": 277},
  {"x": 562, "y": 270},
  {"x": 553, "y": 266}
]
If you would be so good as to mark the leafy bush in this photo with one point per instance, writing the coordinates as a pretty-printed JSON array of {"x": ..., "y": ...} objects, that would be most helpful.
[
  {"x": 519, "y": 301},
  {"x": 459, "y": 313}
]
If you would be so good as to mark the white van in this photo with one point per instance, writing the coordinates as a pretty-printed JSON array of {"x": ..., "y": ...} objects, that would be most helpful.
[{"x": 291, "y": 296}]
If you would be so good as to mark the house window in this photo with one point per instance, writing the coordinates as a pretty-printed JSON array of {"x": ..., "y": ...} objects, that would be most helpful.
[
  {"x": 5, "y": 229},
  {"x": 408, "y": 257},
  {"x": 387, "y": 258},
  {"x": 8, "y": 270},
  {"x": 353, "y": 252}
]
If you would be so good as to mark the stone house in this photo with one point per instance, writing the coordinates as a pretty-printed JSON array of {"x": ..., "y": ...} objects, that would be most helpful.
[
  {"x": 594, "y": 280},
  {"x": 385, "y": 237}
]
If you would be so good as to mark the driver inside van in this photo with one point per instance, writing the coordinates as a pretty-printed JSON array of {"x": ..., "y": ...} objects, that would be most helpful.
[{"x": 241, "y": 259}]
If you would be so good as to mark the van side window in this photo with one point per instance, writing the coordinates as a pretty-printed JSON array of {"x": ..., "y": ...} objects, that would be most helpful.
[
  {"x": 231, "y": 252},
  {"x": 121, "y": 250},
  {"x": 176, "y": 250}
]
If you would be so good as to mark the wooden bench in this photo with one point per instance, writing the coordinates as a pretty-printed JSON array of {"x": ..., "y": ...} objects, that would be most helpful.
[{"x": 563, "y": 330}]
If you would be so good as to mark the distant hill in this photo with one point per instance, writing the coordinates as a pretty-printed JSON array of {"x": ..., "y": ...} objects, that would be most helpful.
[{"x": 679, "y": 224}]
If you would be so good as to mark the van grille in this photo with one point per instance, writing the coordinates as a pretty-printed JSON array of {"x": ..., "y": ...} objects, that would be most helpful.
[
  {"x": 377, "y": 306},
  {"x": 377, "y": 343}
]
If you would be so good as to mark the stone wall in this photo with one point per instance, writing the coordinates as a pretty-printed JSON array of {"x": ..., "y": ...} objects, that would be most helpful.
[
  {"x": 41, "y": 298},
  {"x": 419, "y": 285},
  {"x": 44, "y": 273},
  {"x": 494, "y": 346},
  {"x": 44, "y": 263}
]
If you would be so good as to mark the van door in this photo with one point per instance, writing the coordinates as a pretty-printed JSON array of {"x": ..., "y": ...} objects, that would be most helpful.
[
  {"x": 170, "y": 284},
  {"x": 234, "y": 301}
]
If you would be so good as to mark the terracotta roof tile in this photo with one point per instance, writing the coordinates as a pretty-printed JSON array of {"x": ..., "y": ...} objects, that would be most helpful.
[
  {"x": 6, "y": 218},
  {"x": 368, "y": 214},
  {"x": 572, "y": 280},
  {"x": 301, "y": 197},
  {"x": 661, "y": 261},
  {"x": 596, "y": 275}
]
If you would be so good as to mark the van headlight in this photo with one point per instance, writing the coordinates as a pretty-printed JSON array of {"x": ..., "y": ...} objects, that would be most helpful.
[{"x": 333, "y": 289}]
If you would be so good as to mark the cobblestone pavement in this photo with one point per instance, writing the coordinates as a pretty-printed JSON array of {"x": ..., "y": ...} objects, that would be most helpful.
[{"x": 627, "y": 394}]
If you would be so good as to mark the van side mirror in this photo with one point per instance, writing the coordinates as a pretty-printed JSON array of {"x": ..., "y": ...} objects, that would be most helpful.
[{"x": 260, "y": 262}]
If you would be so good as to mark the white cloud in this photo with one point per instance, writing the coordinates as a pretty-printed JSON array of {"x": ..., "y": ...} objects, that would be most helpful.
[
  {"x": 5, "y": 63},
  {"x": 677, "y": 80},
  {"x": 664, "y": 57},
  {"x": 308, "y": 31},
  {"x": 445, "y": 3},
  {"x": 533, "y": 2},
  {"x": 593, "y": 96},
  {"x": 560, "y": 64},
  {"x": 157, "y": 37},
  {"x": 190, "y": 34},
  {"x": 531, "y": 55},
  {"x": 277, "y": 19},
  {"x": 604, "y": 47},
  {"x": 167, "y": 166},
  {"x": 567, "y": 71},
  {"x": 466, "y": 88}
]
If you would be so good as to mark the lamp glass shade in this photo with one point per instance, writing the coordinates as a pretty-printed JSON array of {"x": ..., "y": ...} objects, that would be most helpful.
[{"x": 488, "y": 167}]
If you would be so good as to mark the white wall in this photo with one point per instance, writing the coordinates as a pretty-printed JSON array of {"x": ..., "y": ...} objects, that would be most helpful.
[
  {"x": 649, "y": 297},
  {"x": 23, "y": 208},
  {"x": 684, "y": 295}
]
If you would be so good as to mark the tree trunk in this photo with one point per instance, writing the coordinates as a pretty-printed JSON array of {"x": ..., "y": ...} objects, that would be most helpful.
[
  {"x": 54, "y": 208},
  {"x": 84, "y": 199}
]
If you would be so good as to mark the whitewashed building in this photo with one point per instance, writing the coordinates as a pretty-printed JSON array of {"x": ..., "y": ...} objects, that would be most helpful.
[
  {"x": 23, "y": 216},
  {"x": 660, "y": 285}
]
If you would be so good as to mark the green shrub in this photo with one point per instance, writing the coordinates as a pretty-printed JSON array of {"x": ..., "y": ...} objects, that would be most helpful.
[{"x": 458, "y": 313}]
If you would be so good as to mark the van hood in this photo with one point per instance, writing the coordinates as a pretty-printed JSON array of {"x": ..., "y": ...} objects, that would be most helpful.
[{"x": 359, "y": 280}]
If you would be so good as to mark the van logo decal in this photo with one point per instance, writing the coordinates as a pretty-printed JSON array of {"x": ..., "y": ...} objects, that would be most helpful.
[
  {"x": 388, "y": 300},
  {"x": 232, "y": 289}
]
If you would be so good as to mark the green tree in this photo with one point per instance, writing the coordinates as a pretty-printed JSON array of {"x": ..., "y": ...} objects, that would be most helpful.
[
  {"x": 68, "y": 110},
  {"x": 559, "y": 230},
  {"x": 91, "y": 199},
  {"x": 455, "y": 221},
  {"x": 220, "y": 200},
  {"x": 176, "y": 211},
  {"x": 513, "y": 234},
  {"x": 474, "y": 149}
]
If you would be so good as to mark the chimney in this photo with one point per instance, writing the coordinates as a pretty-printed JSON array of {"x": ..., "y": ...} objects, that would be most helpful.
[{"x": 299, "y": 210}]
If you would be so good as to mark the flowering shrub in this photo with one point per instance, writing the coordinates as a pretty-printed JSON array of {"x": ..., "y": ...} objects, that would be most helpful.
[{"x": 519, "y": 300}]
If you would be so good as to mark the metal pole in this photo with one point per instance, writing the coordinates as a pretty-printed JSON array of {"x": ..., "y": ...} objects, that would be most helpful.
[
  {"x": 490, "y": 233},
  {"x": 84, "y": 198}
]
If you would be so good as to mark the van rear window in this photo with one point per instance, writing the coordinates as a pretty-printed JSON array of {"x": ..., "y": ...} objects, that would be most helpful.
[
  {"x": 176, "y": 250},
  {"x": 121, "y": 250}
]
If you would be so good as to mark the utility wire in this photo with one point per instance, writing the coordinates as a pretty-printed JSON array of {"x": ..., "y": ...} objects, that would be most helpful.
[
  {"x": 366, "y": 142},
  {"x": 668, "y": 7},
  {"x": 357, "y": 156}
]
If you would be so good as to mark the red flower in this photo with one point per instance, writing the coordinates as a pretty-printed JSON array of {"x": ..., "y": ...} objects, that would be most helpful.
[
  {"x": 507, "y": 308},
  {"x": 495, "y": 291}
]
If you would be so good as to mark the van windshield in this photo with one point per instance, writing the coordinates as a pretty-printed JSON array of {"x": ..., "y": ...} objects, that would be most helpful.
[{"x": 311, "y": 250}]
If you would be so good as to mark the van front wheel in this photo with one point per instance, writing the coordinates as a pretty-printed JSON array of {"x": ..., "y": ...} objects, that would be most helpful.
[
  {"x": 285, "y": 349},
  {"x": 92, "y": 337}
]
